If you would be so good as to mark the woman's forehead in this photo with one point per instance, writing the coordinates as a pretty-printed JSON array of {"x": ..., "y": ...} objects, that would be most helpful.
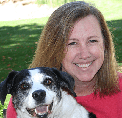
[{"x": 86, "y": 27}]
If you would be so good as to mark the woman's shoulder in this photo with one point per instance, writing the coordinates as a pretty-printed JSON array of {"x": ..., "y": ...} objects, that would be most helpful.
[
  {"x": 120, "y": 75},
  {"x": 120, "y": 80}
]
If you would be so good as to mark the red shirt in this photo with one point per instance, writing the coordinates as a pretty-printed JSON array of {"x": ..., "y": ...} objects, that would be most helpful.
[{"x": 107, "y": 107}]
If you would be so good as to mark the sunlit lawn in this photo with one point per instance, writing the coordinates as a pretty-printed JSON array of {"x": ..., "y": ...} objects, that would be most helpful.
[{"x": 18, "y": 41}]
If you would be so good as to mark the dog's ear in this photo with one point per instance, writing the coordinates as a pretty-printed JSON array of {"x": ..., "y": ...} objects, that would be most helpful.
[
  {"x": 65, "y": 80},
  {"x": 6, "y": 86}
]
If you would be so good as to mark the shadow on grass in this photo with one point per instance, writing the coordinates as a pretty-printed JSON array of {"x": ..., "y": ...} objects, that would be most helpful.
[
  {"x": 17, "y": 47},
  {"x": 18, "y": 44},
  {"x": 115, "y": 27}
]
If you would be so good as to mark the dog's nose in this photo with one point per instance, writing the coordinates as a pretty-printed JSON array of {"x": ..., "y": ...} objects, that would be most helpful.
[{"x": 39, "y": 95}]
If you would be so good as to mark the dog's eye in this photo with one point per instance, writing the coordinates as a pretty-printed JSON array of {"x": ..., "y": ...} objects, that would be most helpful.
[
  {"x": 24, "y": 86},
  {"x": 47, "y": 82}
]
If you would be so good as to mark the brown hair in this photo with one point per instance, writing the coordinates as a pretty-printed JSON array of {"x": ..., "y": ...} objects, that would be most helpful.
[{"x": 50, "y": 49}]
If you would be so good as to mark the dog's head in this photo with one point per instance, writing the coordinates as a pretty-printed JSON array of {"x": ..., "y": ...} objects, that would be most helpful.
[{"x": 35, "y": 90}]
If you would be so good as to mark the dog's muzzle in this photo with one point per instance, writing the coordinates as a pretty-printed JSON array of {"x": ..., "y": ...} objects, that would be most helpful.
[{"x": 40, "y": 111}]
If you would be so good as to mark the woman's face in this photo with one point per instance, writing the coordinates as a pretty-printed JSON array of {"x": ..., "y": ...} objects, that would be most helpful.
[{"x": 84, "y": 50}]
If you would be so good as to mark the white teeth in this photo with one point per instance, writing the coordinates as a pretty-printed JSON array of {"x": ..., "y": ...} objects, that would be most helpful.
[
  {"x": 35, "y": 111},
  {"x": 47, "y": 108},
  {"x": 84, "y": 65},
  {"x": 38, "y": 113},
  {"x": 41, "y": 113}
]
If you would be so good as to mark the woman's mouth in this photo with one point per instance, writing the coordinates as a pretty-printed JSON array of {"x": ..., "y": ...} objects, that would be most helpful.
[{"x": 86, "y": 65}]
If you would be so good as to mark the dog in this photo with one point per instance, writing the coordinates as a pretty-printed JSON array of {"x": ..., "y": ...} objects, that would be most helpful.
[{"x": 42, "y": 92}]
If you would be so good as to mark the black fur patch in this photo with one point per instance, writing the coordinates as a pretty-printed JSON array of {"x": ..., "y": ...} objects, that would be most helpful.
[{"x": 91, "y": 115}]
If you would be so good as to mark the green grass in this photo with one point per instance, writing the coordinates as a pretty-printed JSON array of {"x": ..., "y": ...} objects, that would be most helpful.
[
  {"x": 18, "y": 39},
  {"x": 18, "y": 42},
  {"x": 115, "y": 27},
  {"x": 111, "y": 9}
]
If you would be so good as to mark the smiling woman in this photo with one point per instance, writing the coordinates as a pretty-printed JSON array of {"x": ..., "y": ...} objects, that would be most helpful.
[
  {"x": 85, "y": 25},
  {"x": 84, "y": 50},
  {"x": 76, "y": 40}
]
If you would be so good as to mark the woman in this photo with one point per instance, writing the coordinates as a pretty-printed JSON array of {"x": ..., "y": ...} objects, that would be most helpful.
[{"x": 76, "y": 39}]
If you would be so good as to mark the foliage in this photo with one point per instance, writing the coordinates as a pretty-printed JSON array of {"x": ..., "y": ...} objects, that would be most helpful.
[
  {"x": 5, "y": 105},
  {"x": 53, "y": 3}
]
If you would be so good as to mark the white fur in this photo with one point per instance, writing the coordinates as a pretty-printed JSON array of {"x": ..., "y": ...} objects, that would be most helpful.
[{"x": 68, "y": 108}]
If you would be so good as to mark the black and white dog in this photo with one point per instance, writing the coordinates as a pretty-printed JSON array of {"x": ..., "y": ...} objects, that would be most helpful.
[{"x": 39, "y": 93}]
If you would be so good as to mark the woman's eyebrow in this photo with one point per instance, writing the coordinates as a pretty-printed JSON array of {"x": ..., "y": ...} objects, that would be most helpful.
[
  {"x": 75, "y": 39},
  {"x": 90, "y": 37}
]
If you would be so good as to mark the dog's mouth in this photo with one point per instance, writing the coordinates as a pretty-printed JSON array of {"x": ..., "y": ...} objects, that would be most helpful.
[{"x": 41, "y": 111}]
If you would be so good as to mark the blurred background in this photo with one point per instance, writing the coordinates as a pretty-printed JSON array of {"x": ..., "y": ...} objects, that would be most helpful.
[
  {"x": 38, "y": 8},
  {"x": 21, "y": 23}
]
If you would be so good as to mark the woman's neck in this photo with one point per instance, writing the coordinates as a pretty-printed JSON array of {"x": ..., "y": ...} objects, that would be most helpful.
[{"x": 84, "y": 88}]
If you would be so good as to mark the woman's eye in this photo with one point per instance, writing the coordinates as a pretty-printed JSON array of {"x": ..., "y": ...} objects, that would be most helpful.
[
  {"x": 93, "y": 41},
  {"x": 47, "y": 82},
  {"x": 72, "y": 43},
  {"x": 24, "y": 86}
]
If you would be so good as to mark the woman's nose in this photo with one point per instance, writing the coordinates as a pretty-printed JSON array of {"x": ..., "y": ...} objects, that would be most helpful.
[{"x": 84, "y": 52}]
